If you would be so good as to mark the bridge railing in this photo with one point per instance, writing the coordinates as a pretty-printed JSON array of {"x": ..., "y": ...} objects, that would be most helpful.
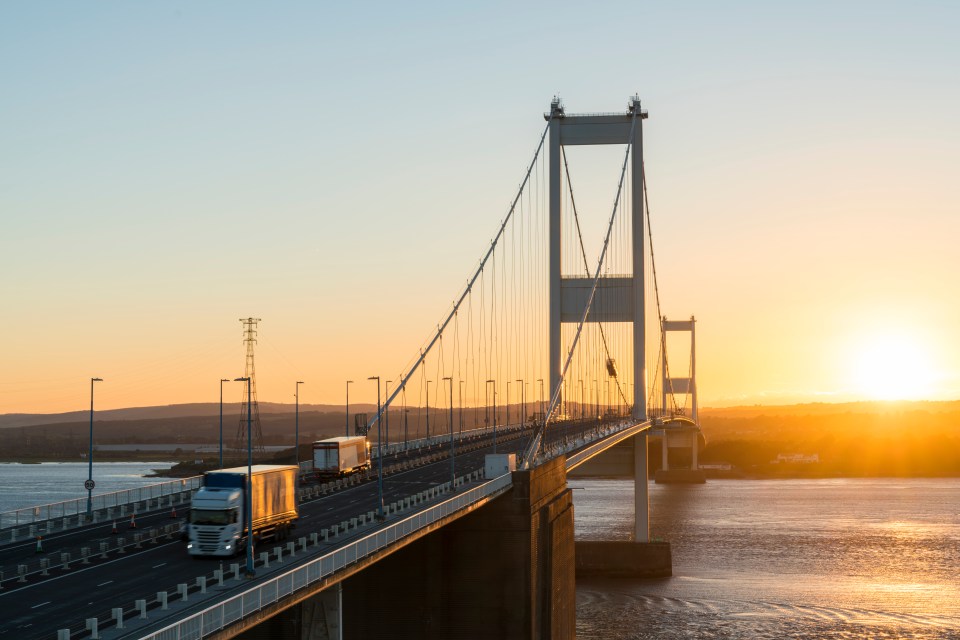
[
  {"x": 235, "y": 608},
  {"x": 77, "y": 506},
  {"x": 439, "y": 439}
]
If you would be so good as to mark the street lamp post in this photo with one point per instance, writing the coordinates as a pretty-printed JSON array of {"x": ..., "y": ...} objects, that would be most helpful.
[
  {"x": 222, "y": 380},
  {"x": 494, "y": 414},
  {"x": 453, "y": 474},
  {"x": 89, "y": 483},
  {"x": 428, "y": 411},
  {"x": 542, "y": 417},
  {"x": 461, "y": 407},
  {"x": 347, "y": 429},
  {"x": 249, "y": 506},
  {"x": 379, "y": 454},
  {"x": 508, "y": 404},
  {"x": 595, "y": 392},
  {"x": 386, "y": 414},
  {"x": 581, "y": 399},
  {"x": 523, "y": 408},
  {"x": 296, "y": 443}
]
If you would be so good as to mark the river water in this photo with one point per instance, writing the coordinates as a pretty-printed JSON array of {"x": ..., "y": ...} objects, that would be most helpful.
[
  {"x": 850, "y": 558},
  {"x": 28, "y": 485}
]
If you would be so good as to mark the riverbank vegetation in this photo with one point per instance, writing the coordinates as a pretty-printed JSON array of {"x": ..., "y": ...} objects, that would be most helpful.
[{"x": 877, "y": 439}]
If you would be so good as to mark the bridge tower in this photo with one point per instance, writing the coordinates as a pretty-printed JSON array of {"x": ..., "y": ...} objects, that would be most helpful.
[
  {"x": 679, "y": 386},
  {"x": 618, "y": 298},
  {"x": 679, "y": 434}
]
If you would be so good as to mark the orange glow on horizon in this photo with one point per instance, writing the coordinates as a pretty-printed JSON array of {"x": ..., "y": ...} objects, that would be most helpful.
[{"x": 893, "y": 365}]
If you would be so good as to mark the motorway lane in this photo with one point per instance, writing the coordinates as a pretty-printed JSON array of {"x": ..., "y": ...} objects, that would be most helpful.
[
  {"x": 24, "y": 552},
  {"x": 37, "y": 611}
]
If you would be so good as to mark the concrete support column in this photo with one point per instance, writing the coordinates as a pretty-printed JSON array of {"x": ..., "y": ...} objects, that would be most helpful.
[
  {"x": 555, "y": 237},
  {"x": 641, "y": 490},
  {"x": 322, "y": 615},
  {"x": 639, "y": 308},
  {"x": 319, "y": 617},
  {"x": 665, "y": 465},
  {"x": 693, "y": 379},
  {"x": 694, "y": 446}
]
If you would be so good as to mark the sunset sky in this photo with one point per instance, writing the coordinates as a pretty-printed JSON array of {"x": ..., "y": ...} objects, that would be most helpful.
[{"x": 169, "y": 168}]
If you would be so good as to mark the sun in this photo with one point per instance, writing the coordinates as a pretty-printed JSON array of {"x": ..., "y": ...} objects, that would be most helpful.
[{"x": 893, "y": 366}]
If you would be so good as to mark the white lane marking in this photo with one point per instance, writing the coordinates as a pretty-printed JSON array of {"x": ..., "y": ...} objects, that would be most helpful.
[
  {"x": 103, "y": 584},
  {"x": 37, "y": 606},
  {"x": 157, "y": 566},
  {"x": 7, "y": 591}
]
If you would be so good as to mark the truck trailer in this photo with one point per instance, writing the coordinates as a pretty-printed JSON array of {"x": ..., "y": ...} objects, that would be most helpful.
[
  {"x": 341, "y": 456},
  {"x": 218, "y": 519}
]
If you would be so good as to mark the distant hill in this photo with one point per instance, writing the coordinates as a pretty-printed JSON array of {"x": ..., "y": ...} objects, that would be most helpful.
[
  {"x": 191, "y": 410},
  {"x": 827, "y": 408}
]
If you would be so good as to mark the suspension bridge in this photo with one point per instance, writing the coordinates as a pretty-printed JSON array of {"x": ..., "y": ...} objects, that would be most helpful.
[{"x": 552, "y": 356}]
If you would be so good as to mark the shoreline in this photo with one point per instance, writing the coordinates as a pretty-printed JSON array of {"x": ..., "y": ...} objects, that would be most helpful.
[{"x": 784, "y": 477}]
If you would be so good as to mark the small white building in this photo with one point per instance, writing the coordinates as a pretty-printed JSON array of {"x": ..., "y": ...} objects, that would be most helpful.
[{"x": 796, "y": 458}]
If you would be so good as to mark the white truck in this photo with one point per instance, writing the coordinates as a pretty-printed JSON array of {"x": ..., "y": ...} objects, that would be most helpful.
[
  {"x": 340, "y": 456},
  {"x": 218, "y": 519}
]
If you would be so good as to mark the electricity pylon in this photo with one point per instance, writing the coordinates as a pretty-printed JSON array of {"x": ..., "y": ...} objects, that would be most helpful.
[{"x": 250, "y": 338}]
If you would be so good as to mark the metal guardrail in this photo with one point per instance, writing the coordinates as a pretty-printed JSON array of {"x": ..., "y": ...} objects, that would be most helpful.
[
  {"x": 610, "y": 436},
  {"x": 235, "y": 608},
  {"x": 441, "y": 438},
  {"x": 77, "y": 506}
]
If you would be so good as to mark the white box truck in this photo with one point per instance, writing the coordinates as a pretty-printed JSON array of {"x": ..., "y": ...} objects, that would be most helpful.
[
  {"x": 341, "y": 456},
  {"x": 218, "y": 519}
]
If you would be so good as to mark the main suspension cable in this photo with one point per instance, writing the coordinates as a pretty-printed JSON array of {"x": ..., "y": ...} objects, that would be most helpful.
[{"x": 463, "y": 296}]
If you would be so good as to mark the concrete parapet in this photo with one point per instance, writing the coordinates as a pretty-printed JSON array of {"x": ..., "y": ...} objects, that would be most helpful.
[{"x": 623, "y": 559}]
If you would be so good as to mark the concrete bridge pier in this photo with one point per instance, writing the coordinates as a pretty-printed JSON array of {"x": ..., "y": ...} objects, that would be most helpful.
[
  {"x": 506, "y": 570},
  {"x": 641, "y": 490},
  {"x": 686, "y": 438},
  {"x": 318, "y": 617},
  {"x": 637, "y": 558}
]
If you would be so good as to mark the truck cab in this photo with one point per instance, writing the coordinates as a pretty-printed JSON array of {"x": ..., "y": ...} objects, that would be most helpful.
[
  {"x": 216, "y": 522},
  {"x": 219, "y": 522}
]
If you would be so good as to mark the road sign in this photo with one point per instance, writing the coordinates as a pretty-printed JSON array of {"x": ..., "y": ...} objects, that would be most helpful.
[{"x": 89, "y": 485}]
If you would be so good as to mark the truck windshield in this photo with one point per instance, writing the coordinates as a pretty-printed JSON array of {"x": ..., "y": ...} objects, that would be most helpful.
[{"x": 209, "y": 516}]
